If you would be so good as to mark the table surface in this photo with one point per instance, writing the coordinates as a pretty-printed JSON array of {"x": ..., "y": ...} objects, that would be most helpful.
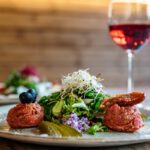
[{"x": 14, "y": 145}]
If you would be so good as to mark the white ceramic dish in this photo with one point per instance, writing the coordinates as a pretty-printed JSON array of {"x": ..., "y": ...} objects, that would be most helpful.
[
  {"x": 10, "y": 99},
  {"x": 100, "y": 139}
]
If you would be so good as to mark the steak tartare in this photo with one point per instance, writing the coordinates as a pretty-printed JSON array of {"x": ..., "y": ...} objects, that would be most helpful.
[
  {"x": 121, "y": 114},
  {"x": 25, "y": 115},
  {"x": 126, "y": 119}
]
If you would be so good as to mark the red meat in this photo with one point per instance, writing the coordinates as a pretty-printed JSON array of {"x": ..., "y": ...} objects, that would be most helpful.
[
  {"x": 121, "y": 114},
  {"x": 25, "y": 115},
  {"x": 123, "y": 100},
  {"x": 126, "y": 119}
]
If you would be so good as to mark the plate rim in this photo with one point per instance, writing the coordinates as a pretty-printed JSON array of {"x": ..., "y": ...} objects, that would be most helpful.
[{"x": 78, "y": 142}]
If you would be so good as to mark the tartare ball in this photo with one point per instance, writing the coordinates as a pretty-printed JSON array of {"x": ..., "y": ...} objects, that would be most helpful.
[
  {"x": 25, "y": 115},
  {"x": 125, "y": 119}
]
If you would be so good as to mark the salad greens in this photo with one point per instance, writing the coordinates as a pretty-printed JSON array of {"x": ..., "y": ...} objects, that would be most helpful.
[
  {"x": 58, "y": 104},
  {"x": 77, "y": 103},
  {"x": 15, "y": 79}
]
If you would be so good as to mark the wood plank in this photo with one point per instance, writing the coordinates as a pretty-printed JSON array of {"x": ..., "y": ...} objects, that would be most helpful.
[
  {"x": 111, "y": 56},
  {"x": 113, "y": 79},
  {"x": 50, "y": 73},
  {"x": 98, "y": 40},
  {"x": 43, "y": 38},
  {"x": 59, "y": 5},
  {"x": 56, "y": 57},
  {"x": 93, "y": 54},
  {"x": 22, "y": 21},
  {"x": 40, "y": 57},
  {"x": 23, "y": 37}
]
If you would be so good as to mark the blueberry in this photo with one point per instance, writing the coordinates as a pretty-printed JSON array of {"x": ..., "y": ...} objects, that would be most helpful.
[
  {"x": 33, "y": 93},
  {"x": 28, "y": 97},
  {"x": 25, "y": 97}
]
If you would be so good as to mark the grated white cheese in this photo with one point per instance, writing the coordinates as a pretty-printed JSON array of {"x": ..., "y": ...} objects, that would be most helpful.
[{"x": 81, "y": 80}]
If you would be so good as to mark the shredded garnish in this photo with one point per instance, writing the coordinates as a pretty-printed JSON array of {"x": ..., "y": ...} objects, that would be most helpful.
[{"x": 81, "y": 80}]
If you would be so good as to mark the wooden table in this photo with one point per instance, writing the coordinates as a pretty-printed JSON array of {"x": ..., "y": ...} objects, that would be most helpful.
[{"x": 14, "y": 145}]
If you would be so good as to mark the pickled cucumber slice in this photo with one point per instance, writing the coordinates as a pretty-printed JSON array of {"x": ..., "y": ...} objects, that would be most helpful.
[
  {"x": 62, "y": 131},
  {"x": 58, "y": 130},
  {"x": 66, "y": 130},
  {"x": 47, "y": 127},
  {"x": 71, "y": 130}
]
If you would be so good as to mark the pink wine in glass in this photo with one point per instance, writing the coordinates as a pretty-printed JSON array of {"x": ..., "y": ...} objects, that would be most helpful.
[{"x": 130, "y": 36}]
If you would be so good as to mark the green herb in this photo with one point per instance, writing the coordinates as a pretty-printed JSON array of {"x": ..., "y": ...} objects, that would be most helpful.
[{"x": 97, "y": 128}]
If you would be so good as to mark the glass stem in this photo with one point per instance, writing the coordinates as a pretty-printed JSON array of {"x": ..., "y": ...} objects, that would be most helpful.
[{"x": 130, "y": 70}]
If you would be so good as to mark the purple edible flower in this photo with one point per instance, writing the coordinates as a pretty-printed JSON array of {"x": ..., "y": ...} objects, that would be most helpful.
[{"x": 80, "y": 124}]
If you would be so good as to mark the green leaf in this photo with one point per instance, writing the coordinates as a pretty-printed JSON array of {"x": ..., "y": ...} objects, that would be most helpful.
[
  {"x": 55, "y": 95},
  {"x": 48, "y": 111},
  {"x": 56, "y": 111},
  {"x": 88, "y": 101},
  {"x": 92, "y": 130},
  {"x": 81, "y": 104},
  {"x": 97, "y": 128},
  {"x": 43, "y": 101},
  {"x": 90, "y": 94}
]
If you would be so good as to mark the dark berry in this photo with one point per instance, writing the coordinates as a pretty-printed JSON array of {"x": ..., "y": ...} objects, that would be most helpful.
[
  {"x": 26, "y": 97},
  {"x": 34, "y": 93}
]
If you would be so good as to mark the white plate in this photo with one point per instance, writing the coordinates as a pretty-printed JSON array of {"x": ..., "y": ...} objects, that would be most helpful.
[
  {"x": 101, "y": 139},
  {"x": 10, "y": 99}
]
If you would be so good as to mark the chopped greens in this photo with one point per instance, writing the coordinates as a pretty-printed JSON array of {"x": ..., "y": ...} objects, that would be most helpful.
[{"x": 57, "y": 106}]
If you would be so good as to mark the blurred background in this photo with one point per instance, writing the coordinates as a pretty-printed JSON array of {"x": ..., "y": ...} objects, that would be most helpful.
[{"x": 61, "y": 36}]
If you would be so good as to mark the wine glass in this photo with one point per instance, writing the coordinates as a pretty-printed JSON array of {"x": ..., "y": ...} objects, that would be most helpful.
[{"x": 129, "y": 26}]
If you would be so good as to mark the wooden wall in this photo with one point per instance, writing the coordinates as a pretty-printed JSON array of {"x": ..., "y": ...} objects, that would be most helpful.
[{"x": 61, "y": 36}]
